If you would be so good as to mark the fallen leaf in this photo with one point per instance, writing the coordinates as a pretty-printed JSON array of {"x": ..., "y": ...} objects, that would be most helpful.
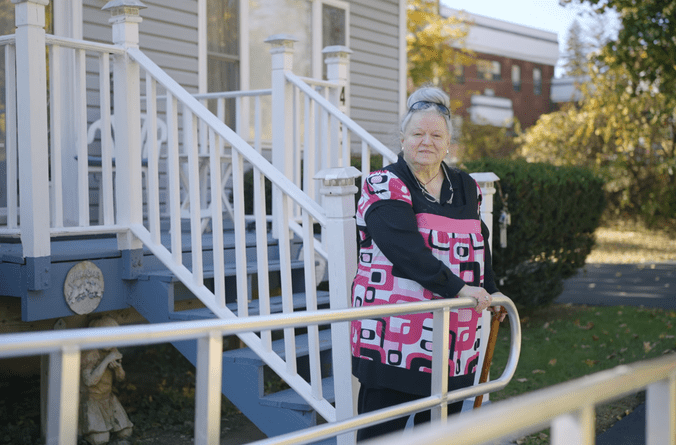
[
  {"x": 521, "y": 380},
  {"x": 623, "y": 350},
  {"x": 552, "y": 362},
  {"x": 611, "y": 356},
  {"x": 595, "y": 337},
  {"x": 538, "y": 371},
  {"x": 589, "y": 362},
  {"x": 585, "y": 346},
  {"x": 546, "y": 325},
  {"x": 647, "y": 347}
]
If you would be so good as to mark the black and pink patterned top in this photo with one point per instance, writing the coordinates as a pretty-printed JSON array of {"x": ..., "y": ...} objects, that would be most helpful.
[{"x": 414, "y": 249}]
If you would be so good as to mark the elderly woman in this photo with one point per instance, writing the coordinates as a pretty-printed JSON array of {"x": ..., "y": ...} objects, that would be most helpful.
[{"x": 421, "y": 238}]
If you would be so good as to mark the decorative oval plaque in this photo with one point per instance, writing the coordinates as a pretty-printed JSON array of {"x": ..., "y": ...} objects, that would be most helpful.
[{"x": 83, "y": 288}]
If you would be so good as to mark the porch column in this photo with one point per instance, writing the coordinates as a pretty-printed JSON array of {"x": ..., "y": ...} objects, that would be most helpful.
[
  {"x": 282, "y": 113},
  {"x": 31, "y": 80},
  {"x": 125, "y": 21},
  {"x": 340, "y": 239}
]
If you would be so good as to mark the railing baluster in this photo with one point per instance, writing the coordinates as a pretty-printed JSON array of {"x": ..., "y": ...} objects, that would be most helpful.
[
  {"x": 11, "y": 138},
  {"x": 208, "y": 389},
  {"x": 174, "y": 179},
  {"x": 576, "y": 427},
  {"x": 257, "y": 124},
  {"x": 661, "y": 412},
  {"x": 365, "y": 161},
  {"x": 440, "y": 366},
  {"x": 285, "y": 279},
  {"x": 191, "y": 149},
  {"x": 259, "y": 211},
  {"x": 80, "y": 105},
  {"x": 309, "y": 167},
  {"x": 240, "y": 234},
  {"x": 63, "y": 396},
  {"x": 152, "y": 181},
  {"x": 106, "y": 141},
  {"x": 311, "y": 304},
  {"x": 217, "y": 216},
  {"x": 56, "y": 172},
  {"x": 346, "y": 145}
]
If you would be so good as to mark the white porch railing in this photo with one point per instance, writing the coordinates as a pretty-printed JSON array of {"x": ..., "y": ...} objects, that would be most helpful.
[{"x": 64, "y": 347}]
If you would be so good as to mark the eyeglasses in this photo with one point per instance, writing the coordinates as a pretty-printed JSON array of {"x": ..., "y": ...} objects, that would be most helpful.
[{"x": 423, "y": 105}]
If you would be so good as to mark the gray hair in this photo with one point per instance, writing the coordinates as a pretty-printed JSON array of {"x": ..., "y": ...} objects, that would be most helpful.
[{"x": 427, "y": 94}]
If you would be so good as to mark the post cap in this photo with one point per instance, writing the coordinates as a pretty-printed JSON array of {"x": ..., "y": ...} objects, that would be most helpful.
[{"x": 120, "y": 7}]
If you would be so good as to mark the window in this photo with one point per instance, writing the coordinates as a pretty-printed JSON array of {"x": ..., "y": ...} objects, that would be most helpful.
[
  {"x": 488, "y": 70},
  {"x": 516, "y": 77},
  {"x": 459, "y": 73},
  {"x": 537, "y": 81},
  {"x": 333, "y": 29},
  {"x": 223, "y": 50}
]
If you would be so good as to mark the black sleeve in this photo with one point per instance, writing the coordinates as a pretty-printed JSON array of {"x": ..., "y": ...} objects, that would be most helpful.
[
  {"x": 394, "y": 229},
  {"x": 489, "y": 276}
]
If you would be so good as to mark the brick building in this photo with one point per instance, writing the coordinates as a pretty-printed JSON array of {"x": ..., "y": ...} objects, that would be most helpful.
[{"x": 513, "y": 73}]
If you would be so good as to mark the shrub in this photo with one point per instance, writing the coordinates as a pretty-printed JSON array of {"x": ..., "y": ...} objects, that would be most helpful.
[{"x": 554, "y": 213}]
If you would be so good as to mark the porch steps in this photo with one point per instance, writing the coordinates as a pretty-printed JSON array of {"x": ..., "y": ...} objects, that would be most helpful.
[
  {"x": 254, "y": 309},
  {"x": 244, "y": 372}
]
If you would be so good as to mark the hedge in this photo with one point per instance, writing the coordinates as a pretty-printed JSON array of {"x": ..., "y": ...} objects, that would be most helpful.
[{"x": 554, "y": 213}]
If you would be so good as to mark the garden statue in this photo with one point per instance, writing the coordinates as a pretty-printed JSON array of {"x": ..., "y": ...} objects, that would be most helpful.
[{"x": 101, "y": 414}]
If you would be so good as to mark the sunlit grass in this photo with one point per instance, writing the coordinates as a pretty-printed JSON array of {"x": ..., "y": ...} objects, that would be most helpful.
[{"x": 630, "y": 244}]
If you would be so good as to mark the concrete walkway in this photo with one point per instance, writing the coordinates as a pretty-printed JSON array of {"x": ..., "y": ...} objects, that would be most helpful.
[{"x": 647, "y": 285}]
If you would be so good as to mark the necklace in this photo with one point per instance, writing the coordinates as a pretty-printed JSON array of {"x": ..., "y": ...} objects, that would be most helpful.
[{"x": 433, "y": 178}]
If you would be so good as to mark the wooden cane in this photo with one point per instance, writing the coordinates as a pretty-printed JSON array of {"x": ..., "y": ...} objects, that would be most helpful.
[{"x": 490, "y": 347}]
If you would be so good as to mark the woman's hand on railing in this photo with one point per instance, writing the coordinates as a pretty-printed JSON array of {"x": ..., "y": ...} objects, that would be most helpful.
[
  {"x": 482, "y": 297},
  {"x": 497, "y": 310}
]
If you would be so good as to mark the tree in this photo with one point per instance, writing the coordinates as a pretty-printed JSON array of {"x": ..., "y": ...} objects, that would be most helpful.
[
  {"x": 625, "y": 130},
  {"x": 434, "y": 44},
  {"x": 646, "y": 43}
]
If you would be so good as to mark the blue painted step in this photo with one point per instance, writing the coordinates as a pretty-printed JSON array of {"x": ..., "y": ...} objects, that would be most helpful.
[{"x": 275, "y": 307}]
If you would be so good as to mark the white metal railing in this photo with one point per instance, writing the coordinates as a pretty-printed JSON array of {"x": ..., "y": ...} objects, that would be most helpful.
[
  {"x": 64, "y": 348},
  {"x": 568, "y": 408}
]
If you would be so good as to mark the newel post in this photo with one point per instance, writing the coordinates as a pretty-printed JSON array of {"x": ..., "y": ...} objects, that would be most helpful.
[
  {"x": 487, "y": 183},
  {"x": 282, "y": 113},
  {"x": 125, "y": 21},
  {"x": 337, "y": 59},
  {"x": 340, "y": 239},
  {"x": 31, "y": 90}
]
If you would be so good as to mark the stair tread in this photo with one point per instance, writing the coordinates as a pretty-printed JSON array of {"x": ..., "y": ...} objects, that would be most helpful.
[
  {"x": 290, "y": 399},
  {"x": 230, "y": 270},
  {"x": 254, "y": 307},
  {"x": 248, "y": 356}
]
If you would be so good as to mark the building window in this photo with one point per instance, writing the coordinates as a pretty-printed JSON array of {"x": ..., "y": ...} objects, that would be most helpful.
[
  {"x": 537, "y": 81},
  {"x": 488, "y": 70},
  {"x": 516, "y": 77},
  {"x": 223, "y": 51},
  {"x": 333, "y": 28}
]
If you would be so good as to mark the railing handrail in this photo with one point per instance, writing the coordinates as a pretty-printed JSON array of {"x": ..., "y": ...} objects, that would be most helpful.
[
  {"x": 7, "y": 39},
  {"x": 237, "y": 142},
  {"x": 71, "y": 342},
  {"x": 540, "y": 408},
  {"x": 341, "y": 117},
  {"x": 83, "y": 44},
  {"x": 44, "y": 342},
  {"x": 232, "y": 94}
]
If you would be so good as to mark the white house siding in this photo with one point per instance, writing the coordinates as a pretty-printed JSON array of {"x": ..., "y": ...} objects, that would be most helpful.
[{"x": 374, "y": 68}]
